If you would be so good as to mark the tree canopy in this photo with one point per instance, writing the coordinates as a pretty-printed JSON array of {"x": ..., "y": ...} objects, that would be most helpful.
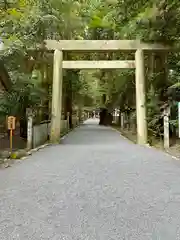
[{"x": 26, "y": 23}]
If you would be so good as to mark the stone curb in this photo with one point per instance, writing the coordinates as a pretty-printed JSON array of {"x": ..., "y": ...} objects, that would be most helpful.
[
  {"x": 8, "y": 162},
  {"x": 147, "y": 145}
]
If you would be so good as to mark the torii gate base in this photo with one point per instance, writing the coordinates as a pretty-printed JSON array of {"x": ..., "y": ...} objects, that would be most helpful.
[{"x": 99, "y": 45}]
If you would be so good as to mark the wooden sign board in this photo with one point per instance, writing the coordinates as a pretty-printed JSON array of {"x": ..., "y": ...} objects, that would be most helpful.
[{"x": 11, "y": 123}]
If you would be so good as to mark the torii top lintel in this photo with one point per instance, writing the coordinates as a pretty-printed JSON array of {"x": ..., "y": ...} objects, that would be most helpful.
[{"x": 103, "y": 45}]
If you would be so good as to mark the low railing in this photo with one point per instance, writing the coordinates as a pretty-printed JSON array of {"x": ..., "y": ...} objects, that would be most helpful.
[{"x": 41, "y": 132}]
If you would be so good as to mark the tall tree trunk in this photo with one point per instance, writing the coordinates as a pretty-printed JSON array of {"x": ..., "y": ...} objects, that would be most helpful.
[{"x": 162, "y": 71}]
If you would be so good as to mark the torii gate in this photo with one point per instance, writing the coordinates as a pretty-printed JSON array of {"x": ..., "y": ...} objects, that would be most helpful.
[{"x": 100, "y": 45}]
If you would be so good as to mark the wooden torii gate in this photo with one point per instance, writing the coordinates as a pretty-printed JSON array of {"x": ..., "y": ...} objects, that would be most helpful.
[{"x": 100, "y": 45}]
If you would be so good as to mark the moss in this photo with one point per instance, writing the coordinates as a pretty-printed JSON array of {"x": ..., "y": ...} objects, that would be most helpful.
[{"x": 18, "y": 154}]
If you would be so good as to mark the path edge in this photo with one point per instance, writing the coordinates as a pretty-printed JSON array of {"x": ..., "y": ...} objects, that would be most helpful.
[
  {"x": 147, "y": 145},
  {"x": 8, "y": 162}
]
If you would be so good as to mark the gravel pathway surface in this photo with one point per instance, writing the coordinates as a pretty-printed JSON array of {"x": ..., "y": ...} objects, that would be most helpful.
[{"x": 96, "y": 185}]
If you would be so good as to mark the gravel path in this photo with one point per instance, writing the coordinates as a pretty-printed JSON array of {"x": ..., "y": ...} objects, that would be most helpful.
[{"x": 94, "y": 186}]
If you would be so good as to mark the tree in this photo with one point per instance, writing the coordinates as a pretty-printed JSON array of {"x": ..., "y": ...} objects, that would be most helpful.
[{"x": 27, "y": 23}]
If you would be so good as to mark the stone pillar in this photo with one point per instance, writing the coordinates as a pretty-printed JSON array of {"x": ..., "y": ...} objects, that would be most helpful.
[
  {"x": 122, "y": 120},
  {"x": 30, "y": 136},
  {"x": 56, "y": 97},
  {"x": 166, "y": 127},
  {"x": 140, "y": 98}
]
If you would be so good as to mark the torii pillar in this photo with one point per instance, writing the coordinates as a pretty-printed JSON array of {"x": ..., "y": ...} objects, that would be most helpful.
[{"x": 56, "y": 97}]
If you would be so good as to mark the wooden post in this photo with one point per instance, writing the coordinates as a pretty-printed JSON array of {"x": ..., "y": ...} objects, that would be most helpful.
[
  {"x": 119, "y": 118},
  {"x": 114, "y": 116},
  {"x": 56, "y": 97},
  {"x": 125, "y": 120},
  {"x": 11, "y": 126},
  {"x": 122, "y": 120},
  {"x": 179, "y": 118},
  {"x": 11, "y": 139},
  {"x": 166, "y": 127},
  {"x": 140, "y": 98},
  {"x": 128, "y": 121},
  {"x": 68, "y": 121}
]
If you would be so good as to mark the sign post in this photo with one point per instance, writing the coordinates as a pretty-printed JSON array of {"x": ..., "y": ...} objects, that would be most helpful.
[{"x": 11, "y": 127}]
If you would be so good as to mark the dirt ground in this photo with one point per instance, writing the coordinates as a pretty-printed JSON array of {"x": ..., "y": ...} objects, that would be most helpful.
[{"x": 18, "y": 142}]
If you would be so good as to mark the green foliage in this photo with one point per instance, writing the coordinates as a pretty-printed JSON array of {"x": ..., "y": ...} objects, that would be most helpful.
[
  {"x": 154, "y": 21},
  {"x": 26, "y": 23},
  {"x": 25, "y": 93}
]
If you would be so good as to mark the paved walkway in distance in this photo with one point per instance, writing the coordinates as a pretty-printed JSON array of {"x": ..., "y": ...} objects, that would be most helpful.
[{"x": 94, "y": 186}]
